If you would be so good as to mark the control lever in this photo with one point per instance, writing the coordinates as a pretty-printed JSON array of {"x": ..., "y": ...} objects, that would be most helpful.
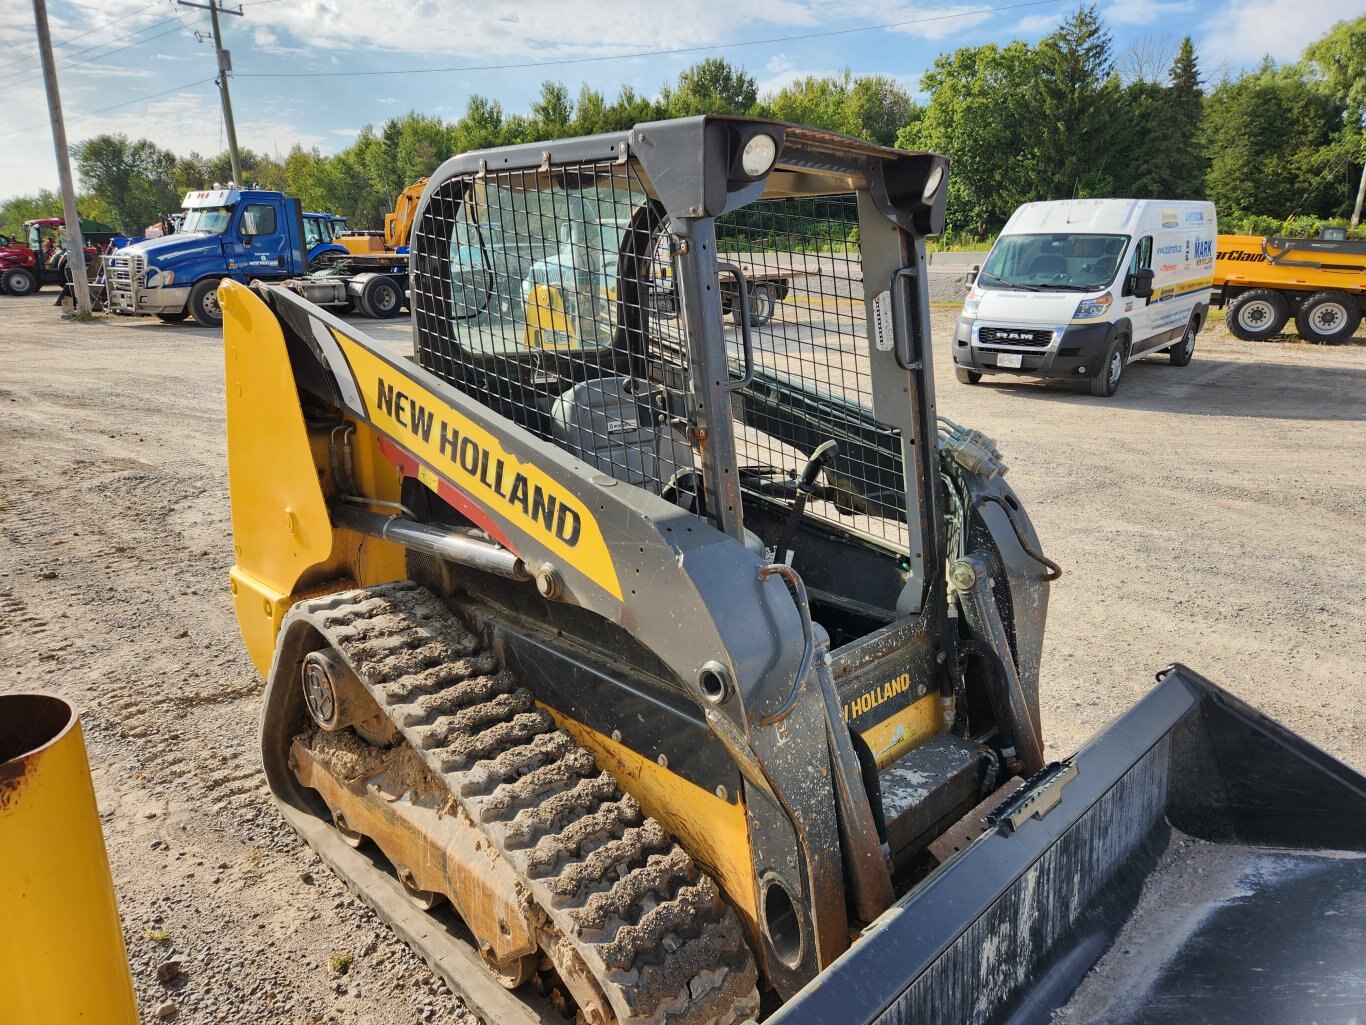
[{"x": 805, "y": 485}]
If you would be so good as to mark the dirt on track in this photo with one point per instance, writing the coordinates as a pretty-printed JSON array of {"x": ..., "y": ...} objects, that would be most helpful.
[{"x": 1211, "y": 514}]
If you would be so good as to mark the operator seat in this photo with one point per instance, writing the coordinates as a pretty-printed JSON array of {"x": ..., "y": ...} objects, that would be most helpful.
[{"x": 623, "y": 427}]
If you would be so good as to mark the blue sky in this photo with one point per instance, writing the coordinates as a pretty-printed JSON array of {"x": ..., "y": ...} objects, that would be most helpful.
[{"x": 115, "y": 52}]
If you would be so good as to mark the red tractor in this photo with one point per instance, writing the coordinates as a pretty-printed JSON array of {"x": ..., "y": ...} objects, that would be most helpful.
[{"x": 26, "y": 267}]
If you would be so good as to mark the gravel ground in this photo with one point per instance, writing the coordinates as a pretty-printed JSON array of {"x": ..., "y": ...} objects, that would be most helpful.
[{"x": 1210, "y": 514}]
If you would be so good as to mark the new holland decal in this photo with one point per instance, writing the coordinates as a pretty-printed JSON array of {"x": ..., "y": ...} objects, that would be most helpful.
[
  {"x": 869, "y": 700},
  {"x": 519, "y": 494}
]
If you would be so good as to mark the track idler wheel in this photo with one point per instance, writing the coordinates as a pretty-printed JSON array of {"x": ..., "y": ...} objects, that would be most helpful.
[{"x": 336, "y": 699}]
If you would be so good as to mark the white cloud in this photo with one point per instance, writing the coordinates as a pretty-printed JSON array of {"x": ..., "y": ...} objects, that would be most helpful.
[
  {"x": 348, "y": 133},
  {"x": 783, "y": 79},
  {"x": 936, "y": 22},
  {"x": 1037, "y": 25},
  {"x": 1126, "y": 12},
  {"x": 1241, "y": 34},
  {"x": 779, "y": 63}
]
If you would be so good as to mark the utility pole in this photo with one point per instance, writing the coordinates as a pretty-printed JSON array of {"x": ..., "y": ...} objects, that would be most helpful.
[
  {"x": 215, "y": 7},
  {"x": 75, "y": 239}
]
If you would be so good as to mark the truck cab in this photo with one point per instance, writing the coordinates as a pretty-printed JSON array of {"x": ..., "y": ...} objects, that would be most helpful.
[{"x": 240, "y": 234}]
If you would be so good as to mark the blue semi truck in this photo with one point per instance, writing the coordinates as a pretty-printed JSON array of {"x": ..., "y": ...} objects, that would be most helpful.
[{"x": 250, "y": 235}]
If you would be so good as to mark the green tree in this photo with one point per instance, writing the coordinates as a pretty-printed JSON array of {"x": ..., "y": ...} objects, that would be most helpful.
[
  {"x": 133, "y": 180},
  {"x": 1338, "y": 59},
  {"x": 552, "y": 113},
  {"x": 711, "y": 86},
  {"x": 481, "y": 127},
  {"x": 976, "y": 116},
  {"x": 1075, "y": 112},
  {"x": 1270, "y": 137},
  {"x": 1165, "y": 160},
  {"x": 872, "y": 107}
]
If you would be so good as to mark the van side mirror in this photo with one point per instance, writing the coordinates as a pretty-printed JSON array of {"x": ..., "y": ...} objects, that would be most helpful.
[
  {"x": 972, "y": 274},
  {"x": 1142, "y": 285}
]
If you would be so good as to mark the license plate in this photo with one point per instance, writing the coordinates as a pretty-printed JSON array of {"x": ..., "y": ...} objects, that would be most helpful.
[{"x": 1008, "y": 359}]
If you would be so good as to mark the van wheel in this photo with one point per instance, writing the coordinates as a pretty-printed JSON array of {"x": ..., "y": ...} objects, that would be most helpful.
[
  {"x": 1328, "y": 317},
  {"x": 1257, "y": 315},
  {"x": 1180, "y": 354},
  {"x": 1106, "y": 380},
  {"x": 966, "y": 376},
  {"x": 203, "y": 304}
]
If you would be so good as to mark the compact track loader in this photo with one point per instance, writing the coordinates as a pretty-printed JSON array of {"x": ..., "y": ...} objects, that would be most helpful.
[{"x": 638, "y": 666}]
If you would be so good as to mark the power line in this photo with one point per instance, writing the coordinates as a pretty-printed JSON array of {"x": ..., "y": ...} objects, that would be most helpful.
[
  {"x": 82, "y": 35},
  {"x": 17, "y": 76},
  {"x": 644, "y": 53},
  {"x": 96, "y": 46},
  {"x": 114, "y": 106}
]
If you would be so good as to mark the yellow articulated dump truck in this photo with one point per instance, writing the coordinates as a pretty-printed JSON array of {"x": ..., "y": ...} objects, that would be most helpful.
[
  {"x": 1263, "y": 282},
  {"x": 689, "y": 674}
]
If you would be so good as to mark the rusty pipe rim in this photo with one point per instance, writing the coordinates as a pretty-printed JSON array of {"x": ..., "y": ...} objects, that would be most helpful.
[{"x": 30, "y": 724}]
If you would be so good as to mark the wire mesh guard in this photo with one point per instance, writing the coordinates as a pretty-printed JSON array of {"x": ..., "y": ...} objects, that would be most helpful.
[{"x": 551, "y": 297}]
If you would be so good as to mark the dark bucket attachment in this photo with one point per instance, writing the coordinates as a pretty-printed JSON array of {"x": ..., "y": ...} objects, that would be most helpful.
[{"x": 1195, "y": 864}]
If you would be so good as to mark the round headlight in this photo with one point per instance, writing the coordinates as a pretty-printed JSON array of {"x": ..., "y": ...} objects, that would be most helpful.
[
  {"x": 759, "y": 154},
  {"x": 932, "y": 183}
]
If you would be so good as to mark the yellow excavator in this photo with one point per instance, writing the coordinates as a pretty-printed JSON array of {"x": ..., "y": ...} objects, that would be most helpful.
[
  {"x": 397, "y": 225},
  {"x": 688, "y": 673}
]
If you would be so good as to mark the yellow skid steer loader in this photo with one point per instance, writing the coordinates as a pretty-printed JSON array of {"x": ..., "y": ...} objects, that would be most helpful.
[{"x": 686, "y": 671}]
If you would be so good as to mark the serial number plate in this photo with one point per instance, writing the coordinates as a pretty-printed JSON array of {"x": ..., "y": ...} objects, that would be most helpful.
[{"x": 1008, "y": 359}]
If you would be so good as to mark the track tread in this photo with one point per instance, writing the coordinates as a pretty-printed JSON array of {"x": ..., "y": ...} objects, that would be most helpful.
[{"x": 665, "y": 947}]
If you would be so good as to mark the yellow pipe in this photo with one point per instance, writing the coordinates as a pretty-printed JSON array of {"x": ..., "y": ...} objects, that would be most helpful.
[{"x": 61, "y": 948}]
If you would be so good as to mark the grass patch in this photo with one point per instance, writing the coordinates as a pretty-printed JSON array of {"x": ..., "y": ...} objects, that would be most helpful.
[
  {"x": 157, "y": 935},
  {"x": 341, "y": 961}
]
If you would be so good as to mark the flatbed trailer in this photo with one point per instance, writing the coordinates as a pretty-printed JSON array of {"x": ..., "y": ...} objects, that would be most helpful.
[{"x": 1321, "y": 282}]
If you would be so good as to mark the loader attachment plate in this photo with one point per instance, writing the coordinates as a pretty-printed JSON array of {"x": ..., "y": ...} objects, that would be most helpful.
[{"x": 1202, "y": 865}]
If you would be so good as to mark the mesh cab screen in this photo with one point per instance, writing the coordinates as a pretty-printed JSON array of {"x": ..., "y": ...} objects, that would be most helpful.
[
  {"x": 544, "y": 295},
  {"x": 551, "y": 297},
  {"x": 812, "y": 371}
]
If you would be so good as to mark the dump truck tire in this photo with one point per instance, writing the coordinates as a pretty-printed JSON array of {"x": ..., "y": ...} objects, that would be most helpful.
[
  {"x": 966, "y": 376},
  {"x": 381, "y": 298},
  {"x": 1328, "y": 317},
  {"x": 203, "y": 303},
  {"x": 20, "y": 281},
  {"x": 1180, "y": 354},
  {"x": 1257, "y": 315}
]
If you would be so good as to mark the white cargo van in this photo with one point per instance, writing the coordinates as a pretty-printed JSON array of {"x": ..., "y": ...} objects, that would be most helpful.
[{"x": 1079, "y": 288}]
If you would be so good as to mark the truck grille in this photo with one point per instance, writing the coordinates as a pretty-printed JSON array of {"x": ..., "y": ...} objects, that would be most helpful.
[
  {"x": 1013, "y": 336},
  {"x": 125, "y": 270}
]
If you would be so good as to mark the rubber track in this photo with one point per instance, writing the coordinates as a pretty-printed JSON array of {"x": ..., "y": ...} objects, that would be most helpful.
[{"x": 664, "y": 946}]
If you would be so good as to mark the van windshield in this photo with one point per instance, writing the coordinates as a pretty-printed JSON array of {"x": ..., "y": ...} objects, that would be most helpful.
[{"x": 1069, "y": 263}]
